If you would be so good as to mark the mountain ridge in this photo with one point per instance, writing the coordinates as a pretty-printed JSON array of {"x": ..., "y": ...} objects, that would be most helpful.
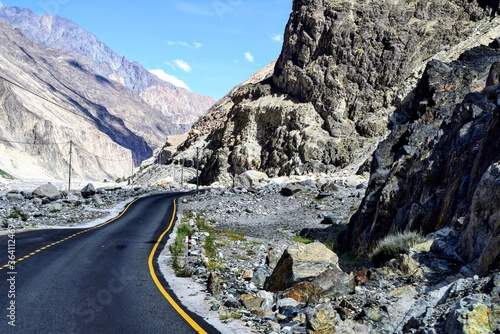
[
  {"x": 62, "y": 33},
  {"x": 346, "y": 67}
]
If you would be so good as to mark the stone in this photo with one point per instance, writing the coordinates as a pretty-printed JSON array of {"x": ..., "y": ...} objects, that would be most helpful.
[
  {"x": 261, "y": 312},
  {"x": 71, "y": 198},
  {"x": 88, "y": 191},
  {"x": 301, "y": 262},
  {"x": 288, "y": 311},
  {"x": 13, "y": 197},
  {"x": 250, "y": 179},
  {"x": 409, "y": 266},
  {"x": 286, "y": 302},
  {"x": 274, "y": 326},
  {"x": 247, "y": 275},
  {"x": 302, "y": 292},
  {"x": 251, "y": 302},
  {"x": 334, "y": 283},
  {"x": 213, "y": 284},
  {"x": 290, "y": 191},
  {"x": 232, "y": 302},
  {"x": 55, "y": 207},
  {"x": 470, "y": 315},
  {"x": 260, "y": 274},
  {"x": 321, "y": 319},
  {"x": 332, "y": 220},
  {"x": 47, "y": 191}
]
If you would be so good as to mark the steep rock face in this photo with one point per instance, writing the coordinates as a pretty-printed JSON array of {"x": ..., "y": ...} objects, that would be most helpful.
[
  {"x": 343, "y": 69},
  {"x": 177, "y": 105},
  {"x": 48, "y": 98},
  {"x": 439, "y": 165}
]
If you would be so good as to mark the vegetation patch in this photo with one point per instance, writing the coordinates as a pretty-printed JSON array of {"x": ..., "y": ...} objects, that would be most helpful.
[
  {"x": 395, "y": 244},
  {"x": 5, "y": 175},
  {"x": 178, "y": 249},
  {"x": 18, "y": 214},
  {"x": 303, "y": 240}
]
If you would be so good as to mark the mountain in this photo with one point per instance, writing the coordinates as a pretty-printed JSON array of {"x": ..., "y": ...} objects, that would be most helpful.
[
  {"x": 178, "y": 105},
  {"x": 49, "y": 98},
  {"x": 418, "y": 82},
  {"x": 440, "y": 165},
  {"x": 343, "y": 70}
]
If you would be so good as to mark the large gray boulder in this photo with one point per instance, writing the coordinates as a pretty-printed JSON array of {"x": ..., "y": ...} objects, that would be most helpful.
[
  {"x": 250, "y": 179},
  {"x": 47, "y": 191}
]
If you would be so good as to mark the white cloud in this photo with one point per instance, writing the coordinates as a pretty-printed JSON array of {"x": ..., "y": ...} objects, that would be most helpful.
[
  {"x": 183, "y": 65},
  {"x": 169, "y": 78},
  {"x": 249, "y": 57},
  {"x": 277, "y": 38},
  {"x": 194, "y": 45}
]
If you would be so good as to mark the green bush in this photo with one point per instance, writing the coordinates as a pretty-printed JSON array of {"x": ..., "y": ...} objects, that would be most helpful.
[
  {"x": 210, "y": 247},
  {"x": 178, "y": 248},
  {"x": 393, "y": 245}
]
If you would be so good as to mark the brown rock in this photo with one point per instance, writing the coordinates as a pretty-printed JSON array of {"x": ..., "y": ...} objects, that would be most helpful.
[
  {"x": 213, "y": 284},
  {"x": 251, "y": 302},
  {"x": 300, "y": 262},
  {"x": 302, "y": 292}
]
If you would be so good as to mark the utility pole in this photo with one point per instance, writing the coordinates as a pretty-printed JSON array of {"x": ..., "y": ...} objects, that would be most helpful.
[
  {"x": 173, "y": 164},
  {"x": 70, "y": 156},
  {"x": 197, "y": 167},
  {"x": 132, "y": 167},
  {"x": 182, "y": 173}
]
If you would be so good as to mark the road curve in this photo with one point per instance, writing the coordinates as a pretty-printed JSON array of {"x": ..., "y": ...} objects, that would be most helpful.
[{"x": 99, "y": 280}]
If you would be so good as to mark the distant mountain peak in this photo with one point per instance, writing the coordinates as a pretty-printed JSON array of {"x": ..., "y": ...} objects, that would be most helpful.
[{"x": 64, "y": 34}]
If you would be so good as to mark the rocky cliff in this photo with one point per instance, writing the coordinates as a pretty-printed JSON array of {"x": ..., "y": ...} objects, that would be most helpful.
[
  {"x": 49, "y": 98},
  {"x": 439, "y": 167},
  {"x": 176, "y": 105},
  {"x": 343, "y": 70}
]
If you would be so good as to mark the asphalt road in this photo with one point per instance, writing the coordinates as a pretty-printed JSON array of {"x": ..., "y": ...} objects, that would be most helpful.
[{"x": 99, "y": 280}]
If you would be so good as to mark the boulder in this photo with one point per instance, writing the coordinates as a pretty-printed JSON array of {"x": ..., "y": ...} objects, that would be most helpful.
[
  {"x": 251, "y": 302},
  {"x": 88, "y": 191},
  {"x": 299, "y": 263},
  {"x": 290, "y": 191},
  {"x": 334, "y": 283},
  {"x": 259, "y": 275},
  {"x": 472, "y": 314},
  {"x": 321, "y": 319},
  {"x": 250, "y": 179},
  {"x": 47, "y": 191},
  {"x": 13, "y": 196}
]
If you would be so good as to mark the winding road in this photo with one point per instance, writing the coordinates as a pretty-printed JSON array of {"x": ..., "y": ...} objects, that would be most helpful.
[{"x": 103, "y": 279}]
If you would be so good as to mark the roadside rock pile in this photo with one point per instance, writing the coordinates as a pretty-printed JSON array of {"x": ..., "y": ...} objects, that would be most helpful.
[
  {"x": 271, "y": 274},
  {"x": 48, "y": 206}
]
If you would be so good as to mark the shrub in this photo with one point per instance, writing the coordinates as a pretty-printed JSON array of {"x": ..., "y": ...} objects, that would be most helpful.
[
  {"x": 178, "y": 248},
  {"x": 393, "y": 245}
]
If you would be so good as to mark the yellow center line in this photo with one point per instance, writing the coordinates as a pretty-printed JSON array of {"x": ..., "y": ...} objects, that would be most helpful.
[
  {"x": 67, "y": 238},
  {"x": 169, "y": 298}
]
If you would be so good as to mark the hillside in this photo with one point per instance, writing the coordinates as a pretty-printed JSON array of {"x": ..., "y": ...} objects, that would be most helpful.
[
  {"x": 343, "y": 70},
  {"x": 177, "y": 105},
  {"x": 49, "y": 98}
]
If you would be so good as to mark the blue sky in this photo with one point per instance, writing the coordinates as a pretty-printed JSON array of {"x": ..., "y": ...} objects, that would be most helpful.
[{"x": 209, "y": 45}]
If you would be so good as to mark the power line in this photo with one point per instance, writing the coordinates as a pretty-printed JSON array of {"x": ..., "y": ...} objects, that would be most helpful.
[
  {"x": 34, "y": 143},
  {"x": 65, "y": 145},
  {"x": 98, "y": 157}
]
